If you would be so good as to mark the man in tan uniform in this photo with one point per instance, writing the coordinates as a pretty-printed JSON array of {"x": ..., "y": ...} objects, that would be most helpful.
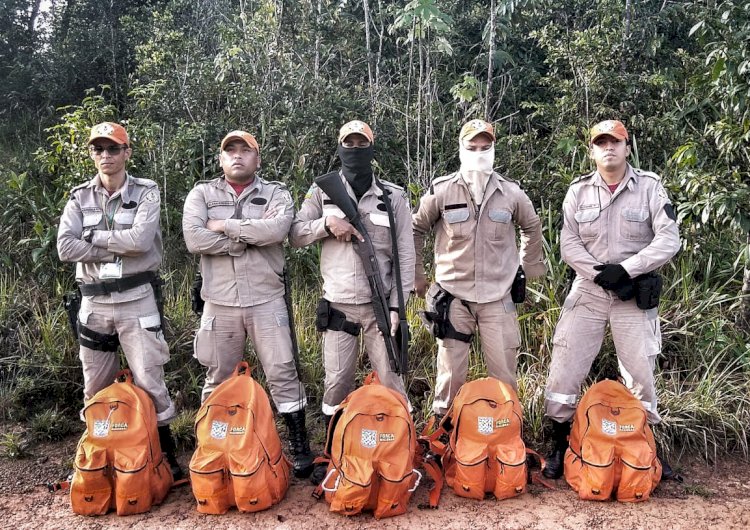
[
  {"x": 237, "y": 223},
  {"x": 110, "y": 229},
  {"x": 474, "y": 212},
  {"x": 346, "y": 291},
  {"x": 619, "y": 226}
]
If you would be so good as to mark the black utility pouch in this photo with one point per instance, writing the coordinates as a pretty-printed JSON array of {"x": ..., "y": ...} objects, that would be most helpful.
[
  {"x": 518, "y": 289},
  {"x": 322, "y": 312},
  {"x": 196, "y": 302},
  {"x": 648, "y": 290}
]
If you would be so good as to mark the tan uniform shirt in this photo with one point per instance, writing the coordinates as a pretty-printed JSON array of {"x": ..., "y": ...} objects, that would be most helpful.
[
  {"x": 126, "y": 227},
  {"x": 476, "y": 257},
  {"x": 243, "y": 266},
  {"x": 344, "y": 279},
  {"x": 634, "y": 226}
]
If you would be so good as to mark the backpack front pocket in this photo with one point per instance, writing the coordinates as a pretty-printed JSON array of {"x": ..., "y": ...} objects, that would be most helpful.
[
  {"x": 393, "y": 493},
  {"x": 132, "y": 484},
  {"x": 508, "y": 469},
  {"x": 636, "y": 479},
  {"x": 597, "y": 472},
  {"x": 209, "y": 481},
  {"x": 353, "y": 486},
  {"x": 91, "y": 488},
  {"x": 249, "y": 483}
]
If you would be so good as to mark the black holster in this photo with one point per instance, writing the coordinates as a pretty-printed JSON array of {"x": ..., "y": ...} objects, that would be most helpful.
[
  {"x": 518, "y": 289},
  {"x": 196, "y": 302},
  {"x": 97, "y": 341},
  {"x": 437, "y": 320},
  {"x": 647, "y": 290},
  {"x": 72, "y": 305},
  {"x": 328, "y": 318},
  {"x": 156, "y": 285}
]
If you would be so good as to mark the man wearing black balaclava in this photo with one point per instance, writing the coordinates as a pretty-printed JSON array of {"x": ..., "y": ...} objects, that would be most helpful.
[{"x": 347, "y": 298}]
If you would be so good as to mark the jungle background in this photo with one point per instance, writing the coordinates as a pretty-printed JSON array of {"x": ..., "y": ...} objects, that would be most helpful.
[{"x": 180, "y": 74}]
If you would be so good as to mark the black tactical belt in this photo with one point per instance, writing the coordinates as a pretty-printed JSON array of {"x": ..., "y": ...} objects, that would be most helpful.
[{"x": 117, "y": 286}]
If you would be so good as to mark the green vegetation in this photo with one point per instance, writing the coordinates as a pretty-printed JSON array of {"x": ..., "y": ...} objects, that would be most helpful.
[{"x": 180, "y": 74}]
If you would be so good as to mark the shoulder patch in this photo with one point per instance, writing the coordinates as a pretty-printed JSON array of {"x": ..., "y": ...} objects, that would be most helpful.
[
  {"x": 311, "y": 191},
  {"x": 151, "y": 196},
  {"x": 669, "y": 210}
]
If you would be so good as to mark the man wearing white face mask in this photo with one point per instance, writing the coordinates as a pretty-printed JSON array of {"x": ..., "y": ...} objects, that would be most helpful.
[{"x": 478, "y": 267}]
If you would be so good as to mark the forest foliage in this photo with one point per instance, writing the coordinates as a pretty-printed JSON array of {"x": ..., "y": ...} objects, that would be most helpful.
[{"x": 180, "y": 74}]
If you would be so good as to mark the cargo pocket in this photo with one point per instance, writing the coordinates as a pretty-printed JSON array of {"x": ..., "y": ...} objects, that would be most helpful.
[
  {"x": 353, "y": 486},
  {"x": 91, "y": 488},
  {"x": 509, "y": 471},
  {"x": 204, "y": 344},
  {"x": 132, "y": 485},
  {"x": 471, "y": 471},
  {"x": 394, "y": 492},
  {"x": 636, "y": 479},
  {"x": 250, "y": 482},
  {"x": 209, "y": 481},
  {"x": 597, "y": 472},
  {"x": 155, "y": 348}
]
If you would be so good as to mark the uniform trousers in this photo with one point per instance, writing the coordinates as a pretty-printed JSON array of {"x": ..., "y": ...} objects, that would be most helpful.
[
  {"x": 220, "y": 344},
  {"x": 139, "y": 327},
  {"x": 500, "y": 339},
  {"x": 578, "y": 338},
  {"x": 340, "y": 354}
]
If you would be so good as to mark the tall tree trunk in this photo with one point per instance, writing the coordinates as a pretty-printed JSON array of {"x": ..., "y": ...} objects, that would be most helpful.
[{"x": 490, "y": 65}]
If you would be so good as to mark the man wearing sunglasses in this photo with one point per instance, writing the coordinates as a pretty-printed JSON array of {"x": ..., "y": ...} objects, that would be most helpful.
[
  {"x": 110, "y": 230},
  {"x": 479, "y": 271}
]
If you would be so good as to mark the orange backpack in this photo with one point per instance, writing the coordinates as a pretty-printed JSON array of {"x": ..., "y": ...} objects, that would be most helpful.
[
  {"x": 119, "y": 464},
  {"x": 612, "y": 449},
  {"x": 238, "y": 461},
  {"x": 485, "y": 452},
  {"x": 372, "y": 453}
]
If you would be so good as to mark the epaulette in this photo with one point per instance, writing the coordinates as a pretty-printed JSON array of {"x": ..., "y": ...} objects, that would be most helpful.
[
  {"x": 391, "y": 185},
  {"x": 144, "y": 182},
  {"x": 587, "y": 175},
  {"x": 79, "y": 187},
  {"x": 440, "y": 180},
  {"x": 203, "y": 181},
  {"x": 275, "y": 183},
  {"x": 641, "y": 172}
]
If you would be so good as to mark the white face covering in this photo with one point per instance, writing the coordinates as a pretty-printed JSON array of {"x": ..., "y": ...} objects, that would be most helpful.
[{"x": 476, "y": 168}]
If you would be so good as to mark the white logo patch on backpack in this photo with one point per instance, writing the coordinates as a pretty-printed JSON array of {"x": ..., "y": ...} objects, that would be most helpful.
[
  {"x": 369, "y": 438},
  {"x": 101, "y": 428},
  {"x": 609, "y": 427},
  {"x": 486, "y": 425},
  {"x": 219, "y": 430}
]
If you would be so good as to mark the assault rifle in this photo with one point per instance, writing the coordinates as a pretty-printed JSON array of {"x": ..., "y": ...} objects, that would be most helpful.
[{"x": 332, "y": 186}]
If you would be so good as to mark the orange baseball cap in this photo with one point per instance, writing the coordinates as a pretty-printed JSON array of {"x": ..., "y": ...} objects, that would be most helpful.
[
  {"x": 110, "y": 131},
  {"x": 475, "y": 127},
  {"x": 612, "y": 128},
  {"x": 246, "y": 137},
  {"x": 356, "y": 127}
]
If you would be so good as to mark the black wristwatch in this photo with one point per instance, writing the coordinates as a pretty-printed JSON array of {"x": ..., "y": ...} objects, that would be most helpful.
[{"x": 88, "y": 235}]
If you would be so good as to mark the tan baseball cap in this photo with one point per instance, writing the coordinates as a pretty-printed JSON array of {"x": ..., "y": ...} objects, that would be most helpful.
[
  {"x": 612, "y": 128},
  {"x": 356, "y": 127},
  {"x": 110, "y": 131},
  {"x": 246, "y": 137},
  {"x": 475, "y": 127}
]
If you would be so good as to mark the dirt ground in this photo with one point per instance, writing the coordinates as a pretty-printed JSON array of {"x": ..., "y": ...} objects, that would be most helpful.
[{"x": 711, "y": 497}]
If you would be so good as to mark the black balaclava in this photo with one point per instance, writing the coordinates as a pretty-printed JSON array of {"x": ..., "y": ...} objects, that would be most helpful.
[{"x": 356, "y": 165}]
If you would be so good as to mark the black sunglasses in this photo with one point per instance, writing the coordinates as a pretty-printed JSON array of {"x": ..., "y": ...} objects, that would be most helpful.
[{"x": 110, "y": 149}]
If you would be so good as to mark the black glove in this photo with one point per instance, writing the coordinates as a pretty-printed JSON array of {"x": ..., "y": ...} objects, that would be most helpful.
[{"x": 611, "y": 277}]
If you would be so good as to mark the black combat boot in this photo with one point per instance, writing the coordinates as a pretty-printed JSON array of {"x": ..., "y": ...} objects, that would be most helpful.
[
  {"x": 667, "y": 473},
  {"x": 168, "y": 448},
  {"x": 555, "y": 464},
  {"x": 298, "y": 443},
  {"x": 320, "y": 470}
]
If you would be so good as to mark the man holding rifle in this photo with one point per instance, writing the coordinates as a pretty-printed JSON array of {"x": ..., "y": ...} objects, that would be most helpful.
[{"x": 365, "y": 228}]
